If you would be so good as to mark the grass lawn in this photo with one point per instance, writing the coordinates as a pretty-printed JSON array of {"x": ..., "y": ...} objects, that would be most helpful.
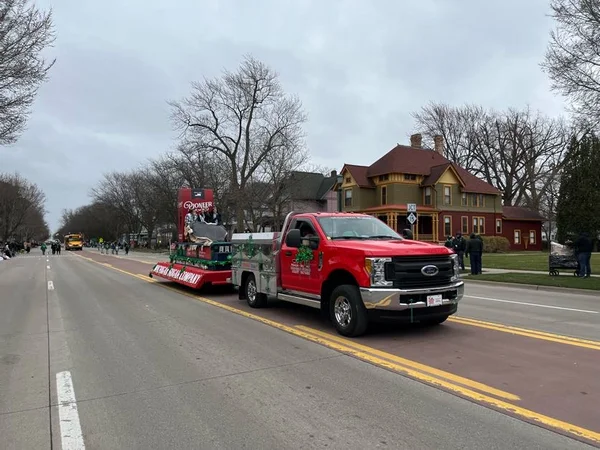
[
  {"x": 565, "y": 281},
  {"x": 526, "y": 261}
]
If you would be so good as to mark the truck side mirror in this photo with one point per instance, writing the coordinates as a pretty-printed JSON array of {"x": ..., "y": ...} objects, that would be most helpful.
[{"x": 293, "y": 238}]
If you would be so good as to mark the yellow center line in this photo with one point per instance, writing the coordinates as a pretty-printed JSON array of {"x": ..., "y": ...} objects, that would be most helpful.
[
  {"x": 414, "y": 365},
  {"x": 384, "y": 363},
  {"x": 542, "y": 335}
]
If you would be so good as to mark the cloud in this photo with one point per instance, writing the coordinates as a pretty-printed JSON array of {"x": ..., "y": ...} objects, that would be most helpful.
[{"x": 360, "y": 69}]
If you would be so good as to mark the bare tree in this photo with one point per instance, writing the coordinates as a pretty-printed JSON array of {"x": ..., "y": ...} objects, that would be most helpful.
[
  {"x": 457, "y": 126},
  {"x": 18, "y": 199},
  {"x": 241, "y": 118},
  {"x": 518, "y": 151},
  {"x": 25, "y": 32},
  {"x": 573, "y": 56},
  {"x": 34, "y": 226},
  {"x": 115, "y": 192},
  {"x": 95, "y": 221}
]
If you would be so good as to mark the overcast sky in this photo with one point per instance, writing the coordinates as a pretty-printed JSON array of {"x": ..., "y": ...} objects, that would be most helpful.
[{"x": 360, "y": 68}]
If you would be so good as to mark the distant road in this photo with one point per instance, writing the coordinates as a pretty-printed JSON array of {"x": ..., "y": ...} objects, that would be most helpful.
[{"x": 93, "y": 353}]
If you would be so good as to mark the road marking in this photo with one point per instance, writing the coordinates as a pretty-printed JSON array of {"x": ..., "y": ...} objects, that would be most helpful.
[
  {"x": 535, "y": 334},
  {"x": 500, "y": 405},
  {"x": 47, "y": 267},
  {"x": 414, "y": 365},
  {"x": 330, "y": 341},
  {"x": 50, "y": 285},
  {"x": 532, "y": 304},
  {"x": 70, "y": 428}
]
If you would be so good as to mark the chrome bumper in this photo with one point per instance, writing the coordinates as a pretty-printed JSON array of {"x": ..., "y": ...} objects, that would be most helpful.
[{"x": 389, "y": 299}]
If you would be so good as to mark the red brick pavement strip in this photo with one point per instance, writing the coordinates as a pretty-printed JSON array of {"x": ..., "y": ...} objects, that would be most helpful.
[{"x": 554, "y": 379}]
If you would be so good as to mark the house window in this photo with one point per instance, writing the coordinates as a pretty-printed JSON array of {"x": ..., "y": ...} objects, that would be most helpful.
[
  {"x": 384, "y": 177},
  {"x": 479, "y": 225},
  {"x": 481, "y": 200},
  {"x": 464, "y": 225},
  {"x": 532, "y": 236},
  {"x": 348, "y": 197},
  {"x": 384, "y": 195},
  {"x": 463, "y": 199},
  {"x": 447, "y": 195},
  {"x": 498, "y": 226},
  {"x": 427, "y": 196},
  {"x": 348, "y": 180},
  {"x": 518, "y": 237},
  {"x": 447, "y": 226},
  {"x": 409, "y": 177}
]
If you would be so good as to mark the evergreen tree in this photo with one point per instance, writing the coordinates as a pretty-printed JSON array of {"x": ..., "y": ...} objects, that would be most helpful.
[{"x": 579, "y": 199}]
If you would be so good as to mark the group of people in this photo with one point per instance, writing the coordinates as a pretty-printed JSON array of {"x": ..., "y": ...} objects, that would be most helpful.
[
  {"x": 209, "y": 216},
  {"x": 113, "y": 247},
  {"x": 472, "y": 249}
]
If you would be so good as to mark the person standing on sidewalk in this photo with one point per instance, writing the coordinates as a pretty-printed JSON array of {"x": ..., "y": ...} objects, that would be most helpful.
[
  {"x": 460, "y": 245},
  {"x": 474, "y": 249},
  {"x": 584, "y": 247}
]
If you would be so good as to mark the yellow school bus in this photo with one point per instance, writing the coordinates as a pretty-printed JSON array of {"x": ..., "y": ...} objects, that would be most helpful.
[{"x": 74, "y": 241}]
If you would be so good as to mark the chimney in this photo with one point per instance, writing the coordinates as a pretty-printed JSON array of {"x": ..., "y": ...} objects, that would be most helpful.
[
  {"x": 416, "y": 140},
  {"x": 334, "y": 173},
  {"x": 439, "y": 144}
]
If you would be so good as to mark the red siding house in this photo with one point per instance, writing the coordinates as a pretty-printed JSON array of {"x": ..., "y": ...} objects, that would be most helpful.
[
  {"x": 449, "y": 199},
  {"x": 522, "y": 227}
]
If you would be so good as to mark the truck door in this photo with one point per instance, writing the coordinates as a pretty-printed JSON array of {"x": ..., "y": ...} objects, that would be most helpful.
[{"x": 300, "y": 267}]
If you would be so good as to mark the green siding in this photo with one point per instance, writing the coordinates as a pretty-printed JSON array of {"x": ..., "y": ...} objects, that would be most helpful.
[
  {"x": 361, "y": 198},
  {"x": 493, "y": 203},
  {"x": 399, "y": 193}
]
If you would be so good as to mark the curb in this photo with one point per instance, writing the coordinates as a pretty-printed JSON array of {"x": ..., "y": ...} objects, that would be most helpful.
[{"x": 535, "y": 287}]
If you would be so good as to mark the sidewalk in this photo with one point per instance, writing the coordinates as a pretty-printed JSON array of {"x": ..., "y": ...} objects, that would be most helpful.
[
  {"x": 492, "y": 271},
  {"x": 145, "y": 257}
]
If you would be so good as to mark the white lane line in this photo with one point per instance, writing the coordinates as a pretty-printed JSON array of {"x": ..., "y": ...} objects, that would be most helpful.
[
  {"x": 70, "y": 428},
  {"x": 532, "y": 304},
  {"x": 50, "y": 285}
]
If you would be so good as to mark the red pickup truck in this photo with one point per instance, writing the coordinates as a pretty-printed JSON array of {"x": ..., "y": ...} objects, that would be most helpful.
[{"x": 352, "y": 266}]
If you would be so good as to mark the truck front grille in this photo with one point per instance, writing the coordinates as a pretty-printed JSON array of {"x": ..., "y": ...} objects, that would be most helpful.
[{"x": 406, "y": 271}]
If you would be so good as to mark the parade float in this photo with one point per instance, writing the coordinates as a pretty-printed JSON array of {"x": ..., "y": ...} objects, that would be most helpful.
[{"x": 202, "y": 255}]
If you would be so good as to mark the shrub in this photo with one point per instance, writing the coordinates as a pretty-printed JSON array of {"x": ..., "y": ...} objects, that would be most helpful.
[{"x": 495, "y": 244}]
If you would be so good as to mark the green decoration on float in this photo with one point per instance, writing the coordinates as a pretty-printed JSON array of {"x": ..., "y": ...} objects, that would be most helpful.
[
  {"x": 249, "y": 248},
  {"x": 199, "y": 262},
  {"x": 304, "y": 255}
]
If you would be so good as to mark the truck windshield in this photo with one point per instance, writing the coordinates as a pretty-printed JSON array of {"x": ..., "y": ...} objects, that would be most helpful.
[{"x": 356, "y": 228}]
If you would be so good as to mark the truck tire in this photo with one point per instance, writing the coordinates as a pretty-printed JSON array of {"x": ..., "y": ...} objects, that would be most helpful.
[
  {"x": 347, "y": 311},
  {"x": 254, "y": 298}
]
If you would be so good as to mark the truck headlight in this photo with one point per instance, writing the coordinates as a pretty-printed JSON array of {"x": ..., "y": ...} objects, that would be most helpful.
[
  {"x": 455, "y": 267},
  {"x": 375, "y": 268}
]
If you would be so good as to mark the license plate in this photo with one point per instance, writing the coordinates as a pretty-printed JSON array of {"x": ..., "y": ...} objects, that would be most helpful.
[{"x": 434, "y": 300}]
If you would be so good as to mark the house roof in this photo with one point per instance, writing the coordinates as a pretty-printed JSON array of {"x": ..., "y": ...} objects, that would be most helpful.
[
  {"x": 311, "y": 185},
  {"x": 359, "y": 173},
  {"x": 421, "y": 161},
  {"x": 436, "y": 173},
  {"x": 521, "y": 213}
]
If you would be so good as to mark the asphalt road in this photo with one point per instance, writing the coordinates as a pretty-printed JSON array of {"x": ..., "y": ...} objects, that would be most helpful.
[
  {"x": 88, "y": 354},
  {"x": 561, "y": 312}
]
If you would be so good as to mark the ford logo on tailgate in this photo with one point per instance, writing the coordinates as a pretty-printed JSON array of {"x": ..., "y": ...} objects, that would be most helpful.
[{"x": 430, "y": 271}]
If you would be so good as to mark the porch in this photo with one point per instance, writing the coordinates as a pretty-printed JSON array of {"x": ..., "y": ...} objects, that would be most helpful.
[{"x": 396, "y": 217}]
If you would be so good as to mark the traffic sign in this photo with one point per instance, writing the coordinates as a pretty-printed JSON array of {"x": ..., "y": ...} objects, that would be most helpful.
[
  {"x": 411, "y": 207},
  {"x": 412, "y": 218}
]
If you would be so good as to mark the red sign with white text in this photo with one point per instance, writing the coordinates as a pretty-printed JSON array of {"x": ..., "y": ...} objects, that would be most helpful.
[{"x": 191, "y": 199}]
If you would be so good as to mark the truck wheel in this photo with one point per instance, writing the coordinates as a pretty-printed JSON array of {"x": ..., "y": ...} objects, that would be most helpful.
[
  {"x": 436, "y": 321},
  {"x": 347, "y": 311},
  {"x": 254, "y": 298}
]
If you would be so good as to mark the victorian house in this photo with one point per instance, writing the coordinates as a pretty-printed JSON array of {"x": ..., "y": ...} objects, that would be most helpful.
[{"x": 448, "y": 198}]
